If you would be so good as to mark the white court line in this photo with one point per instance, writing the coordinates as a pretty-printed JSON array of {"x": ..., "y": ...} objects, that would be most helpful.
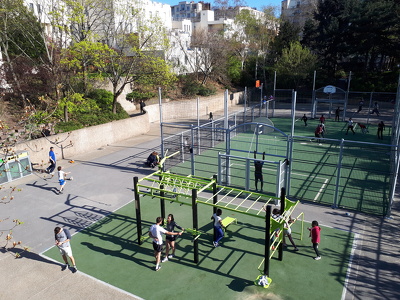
[
  {"x": 346, "y": 281},
  {"x": 322, "y": 186}
]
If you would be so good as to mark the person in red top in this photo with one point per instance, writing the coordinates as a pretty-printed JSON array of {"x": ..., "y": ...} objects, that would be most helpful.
[
  {"x": 322, "y": 119},
  {"x": 315, "y": 234}
]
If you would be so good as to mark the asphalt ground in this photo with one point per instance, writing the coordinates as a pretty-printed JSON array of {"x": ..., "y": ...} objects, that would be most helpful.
[{"x": 103, "y": 183}]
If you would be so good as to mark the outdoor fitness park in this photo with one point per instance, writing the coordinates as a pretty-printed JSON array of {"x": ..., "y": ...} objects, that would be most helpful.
[{"x": 219, "y": 162}]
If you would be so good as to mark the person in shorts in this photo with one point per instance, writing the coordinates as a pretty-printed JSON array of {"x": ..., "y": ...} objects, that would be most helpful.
[
  {"x": 170, "y": 239},
  {"x": 63, "y": 238},
  {"x": 155, "y": 233},
  {"x": 62, "y": 178}
]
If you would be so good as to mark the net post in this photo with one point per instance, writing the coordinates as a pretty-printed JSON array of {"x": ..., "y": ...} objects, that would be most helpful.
[
  {"x": 162, "y": 201},
  {"x": 267, "y": 240},
  {"x": 137, "y": 209},
  {"x": 283, "y": 197},
  {"x": 195, "y": 226}
]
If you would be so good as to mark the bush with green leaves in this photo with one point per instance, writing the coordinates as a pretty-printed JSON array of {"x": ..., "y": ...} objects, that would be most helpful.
[
  {"x": 95, "y": 109},
  {"x": 138, "y": 95}
]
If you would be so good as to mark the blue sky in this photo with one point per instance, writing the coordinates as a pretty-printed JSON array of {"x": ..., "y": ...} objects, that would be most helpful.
[{"x": 251, "y": 3}]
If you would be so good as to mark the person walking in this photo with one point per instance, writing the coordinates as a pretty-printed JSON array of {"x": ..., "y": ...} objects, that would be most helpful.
[
  {"x": 63, "y": 238},
  {"x": 170, "y": 239},
  {"x": 219, "y": 233},
  {"x": 155, "y": 233},
  {"x": 258, "y": 175},
  {"x": 142, "y": 106},
  {"x": 315, "y": 234},
  {"x": 52, "y": 159},
  {"x": 375, "y": 109},
  {"x": 304, "y": 119}
]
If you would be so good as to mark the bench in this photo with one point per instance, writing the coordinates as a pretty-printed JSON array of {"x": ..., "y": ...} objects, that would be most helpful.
[{"x": 228, "y": 221}]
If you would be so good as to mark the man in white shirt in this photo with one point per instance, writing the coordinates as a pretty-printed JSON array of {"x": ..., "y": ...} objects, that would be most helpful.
[{"x": 155, "y": 233}]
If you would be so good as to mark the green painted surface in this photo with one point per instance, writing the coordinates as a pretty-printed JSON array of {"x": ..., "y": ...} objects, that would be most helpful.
[{"x": 108, "y": 251}]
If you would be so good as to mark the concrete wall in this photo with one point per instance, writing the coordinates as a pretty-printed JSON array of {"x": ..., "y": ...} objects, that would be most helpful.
[
  {"x": 187, "y": 108},
  {"x": 91, "y": 138}
]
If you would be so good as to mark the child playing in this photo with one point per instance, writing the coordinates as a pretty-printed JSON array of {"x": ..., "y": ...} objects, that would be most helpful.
[
  {"x": 62, "y": 178},
  {"x": 315, "y": 237}
]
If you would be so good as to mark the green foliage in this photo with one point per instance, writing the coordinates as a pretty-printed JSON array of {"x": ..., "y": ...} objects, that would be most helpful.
[
  {"x": 103, "y": 98},
  {"x": 234, "y": 69},
  {"x": 296, "y": 63},
  {"x": 67, "y": 126},
  {"x": 87, "y": 111},
  {"x": 138, "y": 95},
  {"x": 206, "y": 90}
]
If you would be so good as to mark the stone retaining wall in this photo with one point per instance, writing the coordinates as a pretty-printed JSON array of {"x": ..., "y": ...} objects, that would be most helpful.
[{"x": 88, "y": 139}]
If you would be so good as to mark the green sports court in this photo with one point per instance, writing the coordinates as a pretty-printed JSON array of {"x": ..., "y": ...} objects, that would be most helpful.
[{"x": 109, "y": 249}]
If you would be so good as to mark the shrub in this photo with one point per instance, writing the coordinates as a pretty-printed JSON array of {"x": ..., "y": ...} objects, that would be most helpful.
[{"x": 137, "y": 96}]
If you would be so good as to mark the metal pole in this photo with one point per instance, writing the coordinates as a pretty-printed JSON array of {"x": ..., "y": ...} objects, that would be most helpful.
[
  {"x": 192, "y": 149},
  {"x": 273, "y": 106},
  {"x": 283, "y": 197},
  {"x": 339, "y": 168},
  {"x": 267, "y": 240},
  {"x": 294, "y": 97},
  {"x": 195, "y": 226},
  {"x": 313, "y": 95},
  {"x": 226, "y": 109},
  {"x": 396, "y": 151},
  {"x": 198, "y": 113},
  {"x": 161, "y": 120},
  {"x": 137, "y": 209}
]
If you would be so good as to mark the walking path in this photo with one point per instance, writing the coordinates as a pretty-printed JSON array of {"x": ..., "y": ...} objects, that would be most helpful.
[{"x": 103, "y": 183}]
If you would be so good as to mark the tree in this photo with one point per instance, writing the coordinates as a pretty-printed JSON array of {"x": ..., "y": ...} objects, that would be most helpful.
[
  {"x": 17, "y": 22},
  {"x": 296, "y": 63},
  {"x": 368, "y": 39}
]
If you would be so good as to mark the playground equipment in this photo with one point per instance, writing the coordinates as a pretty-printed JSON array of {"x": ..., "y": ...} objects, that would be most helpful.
[{"x": 192, "y": 190}]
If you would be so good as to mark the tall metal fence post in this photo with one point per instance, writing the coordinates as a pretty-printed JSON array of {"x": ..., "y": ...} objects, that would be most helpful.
[{"x": 339, "y": 169}]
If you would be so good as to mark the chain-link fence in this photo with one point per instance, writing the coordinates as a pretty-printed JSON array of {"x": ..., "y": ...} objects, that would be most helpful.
[{"x": 342, "y": 173}]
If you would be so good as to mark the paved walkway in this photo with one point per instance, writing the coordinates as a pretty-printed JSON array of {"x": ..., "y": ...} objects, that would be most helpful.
[{"x": 103, "y": 183}]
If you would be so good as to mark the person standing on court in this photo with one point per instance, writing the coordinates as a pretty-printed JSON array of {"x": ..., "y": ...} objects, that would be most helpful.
[
  {"x": 170, "y": 239},
  {"x": 155, "y": 233},
  {"x": 337, "y": 114},
  {"x": 63, "y": 238},
  {"x": 322, "y": 119},
  {"x": 315, "y": 234},
  {"x": 304, "y": 119},
  {"x": 381, "y": 128},
  {"x": 258, "y": 175},
  {"x": 219, "y": 233},
  {"x": 360, "y": 105},
  {"x": 350, "y": 126},
  {"x": 52, "y": 159}
]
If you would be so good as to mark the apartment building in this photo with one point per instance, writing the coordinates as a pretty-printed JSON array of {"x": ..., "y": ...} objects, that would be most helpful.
[
  {"x": 298, "y": 11},
  {"x": 179, "y": 21}
]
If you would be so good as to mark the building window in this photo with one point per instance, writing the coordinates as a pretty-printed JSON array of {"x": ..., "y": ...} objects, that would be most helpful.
[{"x": 31, "y": 7}]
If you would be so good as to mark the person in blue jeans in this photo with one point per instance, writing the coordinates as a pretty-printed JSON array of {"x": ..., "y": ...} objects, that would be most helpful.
[
  {"x": 219, "y": 233},
  {"x": 52, "y": 159}
]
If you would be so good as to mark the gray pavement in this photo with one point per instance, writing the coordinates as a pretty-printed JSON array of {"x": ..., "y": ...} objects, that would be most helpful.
[{"x": 103, "y": 183}]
